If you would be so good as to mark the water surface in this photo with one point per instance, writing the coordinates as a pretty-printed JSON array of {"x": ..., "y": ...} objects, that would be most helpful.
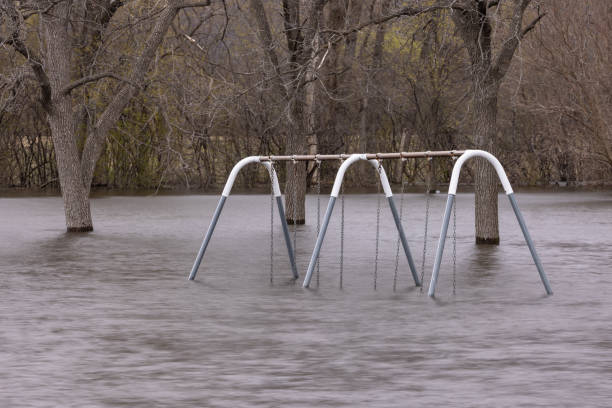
[{"x": 108, "y": 319}]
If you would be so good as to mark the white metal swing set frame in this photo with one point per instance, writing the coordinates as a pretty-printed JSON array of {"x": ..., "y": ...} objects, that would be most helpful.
[{"x": 375, "y": 160}]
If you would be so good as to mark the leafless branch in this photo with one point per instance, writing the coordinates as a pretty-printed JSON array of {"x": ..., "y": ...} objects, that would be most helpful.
[
  {"x": 92, "y": 78},
  {"x": 532, "y": 25},
  {"x": 194, "y": 4},
  {"x": 404, "y": 12}
]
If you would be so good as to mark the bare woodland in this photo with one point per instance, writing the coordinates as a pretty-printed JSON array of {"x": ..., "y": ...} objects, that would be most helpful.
[{"x": 170, "y": 94}]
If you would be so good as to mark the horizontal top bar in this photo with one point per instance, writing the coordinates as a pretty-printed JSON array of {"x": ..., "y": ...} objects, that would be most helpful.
[{"x": 369, "y": 156}]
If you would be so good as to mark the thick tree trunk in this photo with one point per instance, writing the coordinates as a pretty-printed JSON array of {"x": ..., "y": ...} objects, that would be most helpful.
[
  {"x": 61, "y": 122},
  {"x": 295, "y": 191},
  {"x": 310, "y": 104},
  {"x": 302, "y": 43},
  {"x": 487, "y": 224},
  {"x": 486, "y": 180},
  {"x": 74, "y": 194}
]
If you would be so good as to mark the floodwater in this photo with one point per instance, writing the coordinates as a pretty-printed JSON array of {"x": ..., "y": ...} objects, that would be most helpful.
[{"x": 109, "y": 319}]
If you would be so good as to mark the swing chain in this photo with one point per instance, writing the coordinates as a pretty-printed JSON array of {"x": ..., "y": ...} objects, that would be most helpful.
[
  {"x": 454, "y": 241},
  {"x": 272, "y": 178},
  {"x": 427, "y": 203},
  {"x": 397, "y": 244},
  {"x": 295, "y": 204},
  {"x": 378, "y": 185},
  {"x": 318, "y": 191},
  {"x": 455, "y": 247},
  {"x": 341, "y": 232}
]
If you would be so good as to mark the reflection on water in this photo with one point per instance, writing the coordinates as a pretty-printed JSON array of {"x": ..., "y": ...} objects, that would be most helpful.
[{"x": 108, "y": 318}]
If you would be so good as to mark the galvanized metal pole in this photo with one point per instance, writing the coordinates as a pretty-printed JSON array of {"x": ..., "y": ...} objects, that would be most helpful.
[
  {"x": 290, "y": 249},
  {"x": 211, "y": 228},
  {"x": 320, "y": 238},
  {"x": 226, "y": 192},
  {"x": 334, "y": 194},
  {"x": 534, "y": 254},
  {"x": 440, "y": 250},
  {"x": 400, "y": 230},
  {"x": 452, "y": 190},
  {"x": 366, "y": 156}
]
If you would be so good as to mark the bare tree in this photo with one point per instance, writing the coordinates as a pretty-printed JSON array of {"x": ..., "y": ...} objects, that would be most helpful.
[
  {"x": 326, "y": 76},
  {"x": 478, "y": 25},
  {"x": 51, "y": 63},
  {"x": 293, "y": 80},
  {"x": 481, "y": 26},
  {"x": 569, "y": 78}
]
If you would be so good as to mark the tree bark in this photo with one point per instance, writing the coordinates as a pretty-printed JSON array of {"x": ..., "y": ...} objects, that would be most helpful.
[
  {"x": 300, "y": 93},
  {"x": 486, "y": 180},
  {"x": 302, "y": 42},
  {"x": 55, "y": 78},
  {"x": 59, "y": 115},
  {"x": 475, "y": 27}
]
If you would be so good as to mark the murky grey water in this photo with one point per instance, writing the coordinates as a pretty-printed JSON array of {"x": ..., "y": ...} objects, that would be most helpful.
[{"x": 109, "y": 319}]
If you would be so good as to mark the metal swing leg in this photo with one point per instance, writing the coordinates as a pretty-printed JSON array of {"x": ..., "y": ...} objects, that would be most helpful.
[
  {"x": 534, "y": 254},
  {"x": 334, "y": 194},
  {"x": 440, "y": 251},
  {"x": 290, "y": 250},
  {"x": 211, "y": 229},
  {"x": 400, "y": 230},
  {"x": 226, "y": 192},
  {"x": 503, "y": 178},
  {"x": 320, "y": 238}
]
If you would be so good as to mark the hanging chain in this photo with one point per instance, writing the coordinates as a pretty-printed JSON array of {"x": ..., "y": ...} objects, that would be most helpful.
[
  {"x": 341, "y": 232},
  {"x": 377, "y": 223},
  {"x": 427, "y": 202},
  {"x": 455, "y": 247},
  {"x": 295, "y": 206},
  {"x": 272, "y": 178},
  {"x": 401, "y": 212},
  {"x": 318, "y": 191}
]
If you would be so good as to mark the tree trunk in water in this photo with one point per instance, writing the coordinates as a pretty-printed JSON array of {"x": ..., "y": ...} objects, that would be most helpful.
[
  {"x": 303, "y": 45},
  {"x": 311, "y": 112},
  {"x": 74, "y": 194},
  {"x": 295, "y": 191},
  {"x": 61, "y": 123},
  {"x": 430, "y": 178},
  {"x": 488, "y": 70},
  {"x": 487, "y": 224},
  {"x": 486, "y": 181}
]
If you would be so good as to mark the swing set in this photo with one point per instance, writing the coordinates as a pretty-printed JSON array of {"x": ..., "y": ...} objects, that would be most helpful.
[{"x": 375, "y": 160}]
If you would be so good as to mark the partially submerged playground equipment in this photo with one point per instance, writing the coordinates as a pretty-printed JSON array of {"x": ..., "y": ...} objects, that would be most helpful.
[{"x": 375, "y": 159}]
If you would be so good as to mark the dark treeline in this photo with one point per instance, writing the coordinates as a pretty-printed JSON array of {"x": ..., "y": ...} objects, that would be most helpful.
[{"x": 237, "y": 78}]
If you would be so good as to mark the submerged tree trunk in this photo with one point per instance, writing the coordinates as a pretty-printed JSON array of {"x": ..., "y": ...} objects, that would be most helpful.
[
  {"x": 74, "y": 193},
  {"x": 486, "y": 180},
  {"x": 53, "y": 71},
  {"x": 61, "y": 122},
  {"x": 474, "y": 21},
  {"x": 295, "y": 190}
]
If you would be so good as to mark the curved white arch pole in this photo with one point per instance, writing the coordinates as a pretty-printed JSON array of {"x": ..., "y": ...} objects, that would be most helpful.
[
  {"x": 330, "y": 207},
  {"x": 452, "y": 191},
  {"x": 226, "y": 192}
]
